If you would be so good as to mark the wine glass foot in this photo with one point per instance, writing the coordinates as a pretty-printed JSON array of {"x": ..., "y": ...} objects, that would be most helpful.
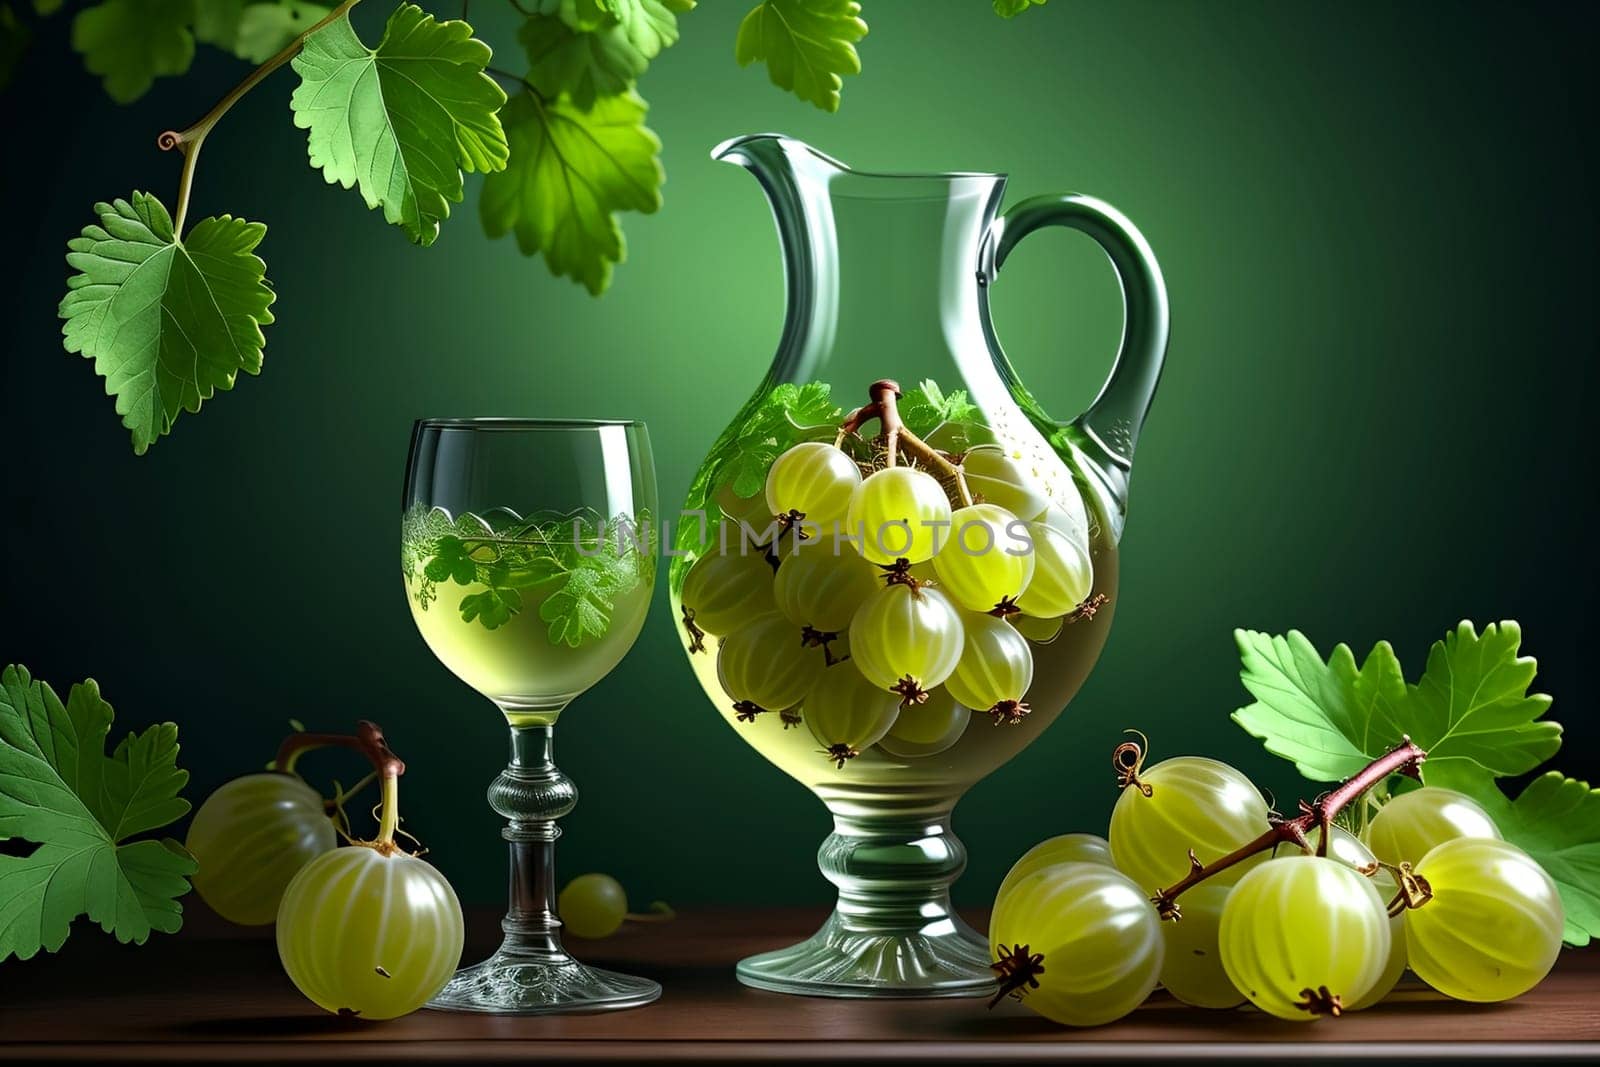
[
  {"x": 505, "y": 985},
  {"x": 943, "y": 959}
]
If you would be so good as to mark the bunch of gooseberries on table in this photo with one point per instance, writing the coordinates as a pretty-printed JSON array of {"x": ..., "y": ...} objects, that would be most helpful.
[
  {"x": 1205, "y": 892},
  {"x": 367, "y": 930},
  {"x": 892, "y": 595}
]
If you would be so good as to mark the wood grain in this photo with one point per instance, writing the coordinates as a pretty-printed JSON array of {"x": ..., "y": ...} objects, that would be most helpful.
[{"x": 217, "y": 993}]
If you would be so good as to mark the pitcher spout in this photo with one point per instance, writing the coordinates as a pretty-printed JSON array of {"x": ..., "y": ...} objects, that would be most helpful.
[{"x": 771, "y": 153}]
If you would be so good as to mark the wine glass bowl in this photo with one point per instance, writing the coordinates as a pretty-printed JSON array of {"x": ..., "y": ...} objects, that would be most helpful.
[{"x": 528, "y": 556}]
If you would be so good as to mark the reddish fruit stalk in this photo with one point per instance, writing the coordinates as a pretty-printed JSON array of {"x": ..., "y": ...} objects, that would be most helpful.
[{"x": 1405, "y": 758}]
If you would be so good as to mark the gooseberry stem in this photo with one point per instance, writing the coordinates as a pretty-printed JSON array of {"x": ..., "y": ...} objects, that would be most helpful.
[
  {"x": 1405, "y": 758},
  {"x": 369, "y": 741},
  {"x": 298, "y": 744},
  {"x": 884, "y": 408},
  {"x": 389, "y": 819}
]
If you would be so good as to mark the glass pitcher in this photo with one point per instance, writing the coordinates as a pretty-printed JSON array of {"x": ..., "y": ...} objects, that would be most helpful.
[{"x": 886, "y": 671}]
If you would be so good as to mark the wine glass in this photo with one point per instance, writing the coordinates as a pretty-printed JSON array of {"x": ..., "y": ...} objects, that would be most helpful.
[{"x": 528, "y": 553}]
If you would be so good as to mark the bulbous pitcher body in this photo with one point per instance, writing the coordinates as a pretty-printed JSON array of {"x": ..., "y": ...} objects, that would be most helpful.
[{"x": 907, "y": 568}]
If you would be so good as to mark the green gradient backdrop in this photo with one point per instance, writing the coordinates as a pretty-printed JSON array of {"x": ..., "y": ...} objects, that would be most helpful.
[{"x": 1377, "y": 226}]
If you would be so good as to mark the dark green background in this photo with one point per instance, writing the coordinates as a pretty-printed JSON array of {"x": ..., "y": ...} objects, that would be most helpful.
[{"x": 1377, "y": 226}]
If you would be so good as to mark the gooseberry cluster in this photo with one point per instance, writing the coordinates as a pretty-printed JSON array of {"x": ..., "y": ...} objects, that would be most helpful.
[
  {"x": 882, "y": 601},
  {"x": 1204, "y": 891}
]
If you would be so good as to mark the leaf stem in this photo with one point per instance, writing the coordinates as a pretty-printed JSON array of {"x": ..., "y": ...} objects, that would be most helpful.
[
  {"x": 189, "y": 140},
  {"x": 519, "y": 81},
  {"x": 1405, "y": 758}
]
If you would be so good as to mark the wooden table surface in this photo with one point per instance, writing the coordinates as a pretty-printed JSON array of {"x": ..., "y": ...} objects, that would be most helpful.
[{"x": 216, "y": 993}]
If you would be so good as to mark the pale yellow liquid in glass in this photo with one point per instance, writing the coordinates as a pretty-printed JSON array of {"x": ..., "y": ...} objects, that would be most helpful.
[{"x": 516, "y": 665}]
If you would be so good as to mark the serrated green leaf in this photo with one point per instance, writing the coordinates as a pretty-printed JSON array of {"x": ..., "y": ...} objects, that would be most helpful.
[
  {"x": 401, "y": 121},
  {"x": 143, "y": 782},
  {"x": 1007, "y": 9},
  {"x": 746, "y": 470},
  {"x": 926, "y": 408},
  {"x": 1473, "y": 703},
  {"x": 79, "y": 751},
  {"x": 130, "y": 43},
  {"x": 783, "y": 416},
  {"x": 1331, "y": 719},
  {"x": 580, "y": 608},
  {"x": 167, "y": 322},
  {"x": 1556, "y": 820},
  {"x": 807, "y": 45},
  {"x": 806, "y": 406},
  {"x": 603, "y": 60},
  {"x": 59, "y": 790},
  {"x": 584, "y": 66},
  {"x": 1471, "y": 706},
  {"x": 570, "y": 172}
]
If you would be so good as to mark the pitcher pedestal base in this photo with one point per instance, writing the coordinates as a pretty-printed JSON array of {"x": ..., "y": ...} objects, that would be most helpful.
[
  {"x": 510, "y": 985},
  {"x": 943, "y": 959}
]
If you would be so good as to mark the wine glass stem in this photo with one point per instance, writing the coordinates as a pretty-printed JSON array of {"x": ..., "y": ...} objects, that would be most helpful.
[{"x": 532, "y": 793}]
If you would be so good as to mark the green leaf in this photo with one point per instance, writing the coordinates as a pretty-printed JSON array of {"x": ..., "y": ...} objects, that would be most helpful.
[
  {"x": 59, "y": 790},
  {"x": 47, "y": 7},
  {"x": 266, "y": 29},
  {"x": 492, "y": 608},
  {"x": 167, "y": 322},
  {"x": 746, "y": 470},
  {"x": 130, "y": 43},
  {"x": 925, "y": 408},
  {"x": 14, "y": 40},
  {"x": 805, "y": 406},
  {"x": 255, "y": 31},
  {"x": 580, "y": 608},
  {"x": 142, "y": 782},
  {"x": 570, "y": 172},
  {"x": 1331, "y": 719},
  {"x": 583, "y": 65},
  {"x": 402, "y": 120},
  {"x": 1007, "y": 9},
  {"x": 1556, "y": 820},
  {"x": 581, "y": 15},
  {"x": 216, "y": 22},
  {"x": 782, "y": 417},
  {"x": 601, "y": 60},
  {"x": 806, "y": 44},
  {"x": 1473, "y": 704}
]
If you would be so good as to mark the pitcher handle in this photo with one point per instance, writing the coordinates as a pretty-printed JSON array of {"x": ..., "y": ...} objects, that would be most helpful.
[{"x": 1108, "y": 431}]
